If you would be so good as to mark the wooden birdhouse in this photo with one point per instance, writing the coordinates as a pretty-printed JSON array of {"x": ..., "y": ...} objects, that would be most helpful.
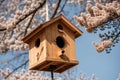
[{"x": 53, "y": 43}]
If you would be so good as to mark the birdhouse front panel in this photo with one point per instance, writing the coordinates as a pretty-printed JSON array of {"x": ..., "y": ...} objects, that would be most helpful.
[{"x": 63, "y": 43}]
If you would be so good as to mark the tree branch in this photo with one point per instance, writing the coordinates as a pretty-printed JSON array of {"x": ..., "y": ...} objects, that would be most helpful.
[
  {"x": 116, "y": 36},
  {"x": 3, "y": 37},
  {"x": 17, "y": 68},
  {"x": 63, "y": 6},
  {"x": 1, "y": 1},
  {"x": 28, "y": 14},
  {"x": 56, "y": 9},
  {"x": 29, "y": 22},
  {"x": 118, "y": 17},
  {"x": 3, "y": 29}
]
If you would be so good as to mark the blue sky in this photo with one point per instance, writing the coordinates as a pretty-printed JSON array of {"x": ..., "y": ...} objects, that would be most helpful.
[{"x": 105, "y": 66}]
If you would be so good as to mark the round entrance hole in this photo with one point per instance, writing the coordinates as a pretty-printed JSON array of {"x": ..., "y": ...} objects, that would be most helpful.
[
  {"x": 60, "y": 27},
  {"x": 60, "y": 42},
  {"x": 37, "y": 43}
]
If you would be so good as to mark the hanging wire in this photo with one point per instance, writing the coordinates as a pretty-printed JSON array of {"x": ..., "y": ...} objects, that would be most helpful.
[{"x": 47, "y": 11}]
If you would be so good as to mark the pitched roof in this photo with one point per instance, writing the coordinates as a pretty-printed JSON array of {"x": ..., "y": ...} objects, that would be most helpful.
[{"x": 63, "y": 19}]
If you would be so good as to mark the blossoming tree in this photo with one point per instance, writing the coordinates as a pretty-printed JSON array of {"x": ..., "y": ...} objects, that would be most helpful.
[
  {"x": 105, "y": 18},
  {"x": 19, "y": 17}
]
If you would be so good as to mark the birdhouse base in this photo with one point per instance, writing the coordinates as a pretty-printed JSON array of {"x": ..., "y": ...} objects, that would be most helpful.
[{"x": 59, "y": 66}]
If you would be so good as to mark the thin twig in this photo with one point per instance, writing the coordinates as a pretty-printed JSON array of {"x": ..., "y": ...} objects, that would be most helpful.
[
  {"x": 117, "y": 17},
  {"x": 17, "y": 68},
  {"x": 3, "y": 37},
  {"x": 28, "y": 14},
  {"x": 29, "y": 23},
  {"x": 3, "y": 29},
  {"x": 63, "y": 7},
  {"x": 56, "y": 9},
  {"x": 1, "y": 1},
  {"x": 116, "y": 36}
]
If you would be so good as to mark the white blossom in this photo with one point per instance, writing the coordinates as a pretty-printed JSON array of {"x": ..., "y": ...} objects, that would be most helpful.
[
  {"x": 98, "y": 15},
  {"x": 104, "y": 44}
]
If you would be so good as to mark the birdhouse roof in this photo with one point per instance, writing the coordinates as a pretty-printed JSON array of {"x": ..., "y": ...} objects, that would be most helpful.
[{"x": 61, "y": 18}]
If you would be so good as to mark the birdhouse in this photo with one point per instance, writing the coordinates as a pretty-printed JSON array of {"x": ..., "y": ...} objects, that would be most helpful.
[{"x": 53, "y": 43}]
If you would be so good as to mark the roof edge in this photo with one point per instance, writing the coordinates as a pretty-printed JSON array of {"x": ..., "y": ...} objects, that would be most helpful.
[{"x": 43, "y": 25}]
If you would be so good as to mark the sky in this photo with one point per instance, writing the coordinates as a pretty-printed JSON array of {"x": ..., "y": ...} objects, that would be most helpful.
[{"x": 102, "y": 65}]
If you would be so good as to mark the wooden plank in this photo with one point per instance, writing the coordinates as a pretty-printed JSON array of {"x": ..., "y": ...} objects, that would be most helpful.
[
  {"x": 46, "y": 65},
  {"x": 62, "y": 66},
  {"x": 48, "y": 35},
  {"x": 66, "y": 67}
]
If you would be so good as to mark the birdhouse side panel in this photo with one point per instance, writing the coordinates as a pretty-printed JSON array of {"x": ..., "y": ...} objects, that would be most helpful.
[
  {"x": 37, "y": 51},
  {"x": 70, "y": 43}
]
